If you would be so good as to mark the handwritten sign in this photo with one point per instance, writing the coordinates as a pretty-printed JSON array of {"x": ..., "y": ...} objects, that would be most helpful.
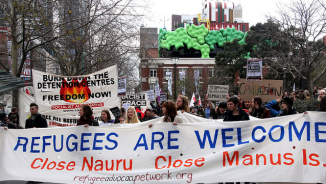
[{"x": 217, "y": 92}]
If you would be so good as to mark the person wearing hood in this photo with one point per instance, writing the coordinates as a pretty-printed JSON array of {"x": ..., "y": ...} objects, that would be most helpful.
[
  {"x": 201, "y": 112},
  {"x": 234, "y": 112},
  {"x": 36, "y": 120},
  {"x": 287, "y": 104},
  {"x": 86, "y": 116},
  {"x": 274, "y": 107}
]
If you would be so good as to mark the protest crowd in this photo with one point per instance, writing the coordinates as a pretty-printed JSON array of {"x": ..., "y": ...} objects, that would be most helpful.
[{"x": 233, "y": 109}]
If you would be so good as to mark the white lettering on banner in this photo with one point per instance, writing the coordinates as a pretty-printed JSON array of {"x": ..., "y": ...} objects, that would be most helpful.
[
  {"x": 62, "y": 96},
  {"x": 197, "y": 151}
]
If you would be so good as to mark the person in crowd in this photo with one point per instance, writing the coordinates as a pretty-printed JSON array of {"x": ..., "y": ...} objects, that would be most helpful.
[
  {"x": 121, "y": 118},
  {"x": 302, "y": 96},
  {"x": 274, "y": 107},
  {"x": 321, "y": 94},
  {"x": 218, "y": 112},
  {"x": 196, "y": 106},
  {"x": 307, "y": 96},
  {"x": 183, "y": 104},
  {"x": 106, "y": 118},
  {"x": 157, "y": 107},
  {"x": 154, "y": 113},
  {"x": 234, "y": 112},
  {"x": 14, "y": 111},
  {"x": 201, "y": 112},
  {"x": 287, "y": 104},
  {"x": 132, "y": 116},
  {"x": 246, "y": 104},
  {"x": 10, "y": 124},
  {"x": 315, "y": 92},
  {"x": 322, "y": 105},
  {"x": 193, "y": 112},
  {"x": 258, "y": 110},
  {"x": 148, "y": 115},
  {"x": 139, "y": 116},
  {"x": 207, "y": 111},
  {"x": 286, "y": 94},
  {"x": 14, "y": 124},
  {"x": 36, "y": 120},
  {"x": 86, "y": 116},
  {"x": 170, "y": 114}
]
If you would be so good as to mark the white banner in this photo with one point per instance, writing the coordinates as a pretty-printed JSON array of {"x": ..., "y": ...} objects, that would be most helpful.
[
  {"x": 283, "y": 149},
  {"x": 59, "y": 97}
]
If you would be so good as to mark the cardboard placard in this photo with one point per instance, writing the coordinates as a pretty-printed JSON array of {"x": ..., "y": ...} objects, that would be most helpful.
[
  {"x": 217, "y": 92},
  {"x": 268, "y": 90}
]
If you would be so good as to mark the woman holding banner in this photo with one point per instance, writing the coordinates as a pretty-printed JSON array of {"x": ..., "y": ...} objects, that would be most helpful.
[
  {"x": 106, "y": 118},
  {"x": 170, "y": 114},
  {"x": 131, "y": 116},
  {"x": 86, "y": 116}
]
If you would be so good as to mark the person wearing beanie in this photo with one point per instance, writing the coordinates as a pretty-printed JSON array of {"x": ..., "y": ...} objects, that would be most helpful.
[{"x": 287, "y": 104}]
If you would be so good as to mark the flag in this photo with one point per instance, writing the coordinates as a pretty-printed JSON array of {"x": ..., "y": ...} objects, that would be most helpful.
[
  {"x": 192, "y": 101},
  {"x": 199, "y": 102},
  {"x": 27, "y": 92},
  {"x": 294, "y": 87}
]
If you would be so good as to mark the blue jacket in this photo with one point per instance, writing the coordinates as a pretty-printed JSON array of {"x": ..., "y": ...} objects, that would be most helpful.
[{"x": 269, "y": 105}]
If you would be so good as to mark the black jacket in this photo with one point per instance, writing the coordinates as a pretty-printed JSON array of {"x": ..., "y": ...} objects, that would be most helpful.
[
  {"x": 241, "y": 117},
  {"x": 39, "y": 122},
  {"x": 291, "y": 111}
]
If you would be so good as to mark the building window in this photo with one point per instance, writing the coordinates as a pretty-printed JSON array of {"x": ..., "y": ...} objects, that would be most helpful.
[
  {"x": 167, "y": 70},
  {"x": 200, "y": 72},
  {"x": 183, "y": 70},
  {"x": 211, "y": 72},
  {"x": 152, "y": 86},
  {"x": 153, "y": 72}
]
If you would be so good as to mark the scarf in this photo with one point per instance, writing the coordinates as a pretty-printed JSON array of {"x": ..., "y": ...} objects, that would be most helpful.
[{"x": 83, "y": 121}]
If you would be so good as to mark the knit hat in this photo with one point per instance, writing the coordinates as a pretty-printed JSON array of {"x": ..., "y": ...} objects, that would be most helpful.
[{"x": 287, "y": 101}]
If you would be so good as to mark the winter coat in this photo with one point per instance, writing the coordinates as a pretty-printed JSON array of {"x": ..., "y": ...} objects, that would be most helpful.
[
  {"x": 39, "y": 122},
  {"x": 241, "y": 117}
]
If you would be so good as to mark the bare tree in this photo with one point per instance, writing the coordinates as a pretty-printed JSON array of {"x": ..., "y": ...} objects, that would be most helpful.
[{"x": 302, "y": 26}]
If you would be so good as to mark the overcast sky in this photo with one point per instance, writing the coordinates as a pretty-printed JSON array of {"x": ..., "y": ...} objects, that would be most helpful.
[{"x": 253, "y": 11}]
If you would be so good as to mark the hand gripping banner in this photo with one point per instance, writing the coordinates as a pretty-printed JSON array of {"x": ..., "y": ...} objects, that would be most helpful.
[
  {"x": 283, "y": 149},
  {"x": 59, "y": 97}
]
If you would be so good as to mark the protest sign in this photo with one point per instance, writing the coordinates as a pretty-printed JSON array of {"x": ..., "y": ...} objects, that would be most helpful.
[
  {"x": 139, "y": 99},
  {"x": 283, "y": 149},
  {"x": 126, "y": 105},
  {"x": 266, "y": 89},
  {"x": 254, "y": 69},
  {"x": 59, "y": 97},
  {"x": 217, "y": 92},
  {"x": 157, "y": 90},
  {"x": 116, "y": 112},
  {"x": 150, "y": 95},
  {"x": 122, "y": 86},
  {"x": 163, "y": 97}
]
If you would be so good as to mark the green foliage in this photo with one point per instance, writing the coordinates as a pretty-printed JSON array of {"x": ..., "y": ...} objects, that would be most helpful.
[
  {"x": 199, "y": 38},
  {"x": 306, "y": 105},
  {"x": 179, "y": 37},
  {"x": 198, "y": 32}
]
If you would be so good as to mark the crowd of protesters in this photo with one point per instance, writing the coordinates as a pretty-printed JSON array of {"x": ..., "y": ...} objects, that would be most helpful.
[{"x": 233, "y": 109}]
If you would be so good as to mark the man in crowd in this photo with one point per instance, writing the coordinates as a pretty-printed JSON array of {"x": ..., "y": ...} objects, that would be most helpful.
[
  {"x": 35, "y": 120},
  {"x": 182, "y": 104},
  {"x": 154, "y": 113},
  {"x": 201, "y": 112},
  {"x": 14, "y": 111},
  {"x": 321, "y": 94},
  {"x": 257, "y": 110},
  {"x": 148, "y": 115},
  {"x": 301, "y": 95},
  {"x": 234, "y": 112}
]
